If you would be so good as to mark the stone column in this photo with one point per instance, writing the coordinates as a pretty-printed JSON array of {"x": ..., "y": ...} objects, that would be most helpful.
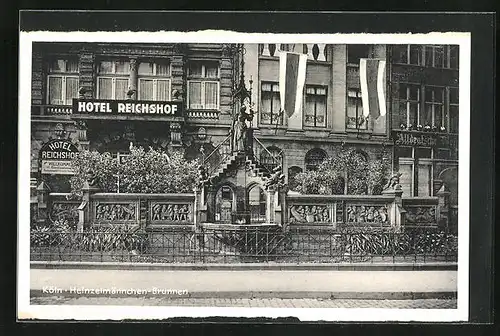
[
  {"x": 396, "y": 211},
  {"x": 443, "y": 208},
  {"x": 42, "y": 193},
  {"x": 132, "y": 87},
  {"x": 86, "y": 206},
  {"x": 270, "y": 215}
]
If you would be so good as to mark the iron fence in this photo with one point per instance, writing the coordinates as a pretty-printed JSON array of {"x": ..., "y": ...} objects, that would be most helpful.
[{"x": 242, "y": 245}]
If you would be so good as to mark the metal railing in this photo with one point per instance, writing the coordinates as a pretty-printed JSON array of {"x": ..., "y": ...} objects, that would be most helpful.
[
  {"x": 271, "y": 161},
  {"x": 221, "y": 153},
  {"x": 243, "y": 244}
]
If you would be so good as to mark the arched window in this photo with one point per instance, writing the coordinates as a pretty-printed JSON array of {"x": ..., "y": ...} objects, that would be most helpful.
[
  {"x": 271, "y": 158},
  {"x": 314, "y": 158},
  {"x": 257, "y": 200},
  {"x": 292, "y": 173},
  {"x": 224, "y": 204}
]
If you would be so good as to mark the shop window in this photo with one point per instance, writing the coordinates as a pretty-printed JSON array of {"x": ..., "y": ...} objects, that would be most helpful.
[
  {"x": 409, "y": 105},
  {"x": 357, "y": 51},
  {"x": 315, "y": 106},
  {"x": 113, "y": 79},
  {"x": 62, "y": 82},
  {"x": 314, "y": 158},
  {"x": 434, "y": 112},
  {"x": 270, "y": 111},
  {"x": 203, "y": 85},
  {"x": 407, "y": 54},
  {"x": 434, "y": 56},
  {"x": 355, "y": 118},
  {"x": 453, "y": 109},
  {"x": 154, "y": 81}
]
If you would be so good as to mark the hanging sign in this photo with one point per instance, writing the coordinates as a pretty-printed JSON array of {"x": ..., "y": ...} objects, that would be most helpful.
[{"x": 56, "y": 156}]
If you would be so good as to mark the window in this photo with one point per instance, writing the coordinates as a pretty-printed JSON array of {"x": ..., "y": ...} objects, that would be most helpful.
[
  {"x": 357, "y": 51},
  {"x": 203, "y": 85},
  {"x": 257, "y": 200},
  {"x": 270, "y": 112},
  {"x": 315, "y": 106},
  {"x": 409, "y": 105},
  {"x": 271, "y": 158},
  {"x": 314, "y": 158},
  {"x": 407, "y": 54},
  {"x": 453, "y": 109},
  {"x": 415, "y": 165},
  {"x": 154, "y": 81},
  {"x": 454, "y": 57},
  {"x": 355, "y": 118},
  {"x": 292, "y": 173},
  {"x": 434, "y": 56},
  {"x": 434, "y": 113},
  {"x": 62, "y": 82},
  {"x": 112, "y": 79}
]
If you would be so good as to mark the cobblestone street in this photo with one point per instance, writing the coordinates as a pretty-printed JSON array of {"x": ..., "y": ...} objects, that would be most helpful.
[{"x": 262, "y": 303}]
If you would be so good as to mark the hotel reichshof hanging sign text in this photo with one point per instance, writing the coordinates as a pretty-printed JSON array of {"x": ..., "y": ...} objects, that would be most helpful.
[
  {"x": 56, "y": 156},
  {"x": 420, "y": 139},
  {"x": 127, "y": 107}
]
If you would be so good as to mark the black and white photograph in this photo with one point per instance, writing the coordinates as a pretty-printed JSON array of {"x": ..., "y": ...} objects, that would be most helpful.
[{"x": 323, "y": 176}]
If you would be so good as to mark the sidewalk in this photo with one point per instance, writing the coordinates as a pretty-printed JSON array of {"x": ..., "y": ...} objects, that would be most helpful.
[{"x": 289, "y": 284}]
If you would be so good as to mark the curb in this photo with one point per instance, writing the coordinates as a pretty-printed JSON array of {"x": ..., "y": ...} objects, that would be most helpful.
[
  {"x": 434, "y": 266},
  {"x": 263, "y": 295}
]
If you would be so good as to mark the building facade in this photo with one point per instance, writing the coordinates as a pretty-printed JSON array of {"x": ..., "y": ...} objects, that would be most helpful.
[
  {"x": 418, "y": 136},
  {"x": 196, "y": 78}
]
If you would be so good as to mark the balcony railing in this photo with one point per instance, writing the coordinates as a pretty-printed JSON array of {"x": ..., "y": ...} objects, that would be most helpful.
[
  {"x": 52, "y": 110},
  {"x": 314, "y": 51}
]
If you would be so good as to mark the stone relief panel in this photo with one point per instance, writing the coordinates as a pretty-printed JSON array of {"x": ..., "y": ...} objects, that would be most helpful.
[
  {"x": 420, "y": 215},
  {"x": 64, "y": 211},
  {"x": 116, "y": 212},
  {"x": 171, "y": 212},
  {"x": 376, "y": 214},
  {"x": 300, "y": 213}
]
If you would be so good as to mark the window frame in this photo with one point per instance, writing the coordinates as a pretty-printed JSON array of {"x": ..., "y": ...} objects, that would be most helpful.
[
  {"x": 449, "y": 104},
  {"x": 64, "y": 75},
  {"x": 415, "y": 164},
  {"x": 434, "y": 103},
  {"x": 202, "y": 79},
  {"x": 408, "y": 101},
  {"x": 359, "y": 103},
  {"x": 433, "y": 63},
  {"x": 316, "y": 87},
  {"x": 155, "y": 78},
  {"x": 261, "y": 111},
  {"x": 307, "y": 165},
  {"x": 113, "y": 76}
]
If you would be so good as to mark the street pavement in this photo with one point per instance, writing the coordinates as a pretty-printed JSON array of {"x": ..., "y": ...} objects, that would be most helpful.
[
  {"x": 249, "y": 303},
  {"x": 242, "y": 284}
]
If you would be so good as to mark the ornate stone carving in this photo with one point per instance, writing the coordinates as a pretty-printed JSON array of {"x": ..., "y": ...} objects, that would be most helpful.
[
  {"x": 393, "y": 182},
  {"x": 310, "y": 214},
  {"x": 92, "y": 178},
  {"x": 64, "y": 211},
  {"x": 171, "y": 212},
  {"x": 420, "y": 215},
  {"x": 115, "y": 211},
  {"x": 366, "y": 214}
]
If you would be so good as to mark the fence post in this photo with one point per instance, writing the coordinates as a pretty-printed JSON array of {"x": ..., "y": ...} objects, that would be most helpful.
[{"x": 42, "y": 194}]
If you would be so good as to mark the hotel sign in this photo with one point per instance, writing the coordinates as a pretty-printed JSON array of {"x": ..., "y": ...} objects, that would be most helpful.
[
  {"x": 56, "y": 156},
  {"x": 127, "y": 107},
  {"x": 420, "y": 139}
]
